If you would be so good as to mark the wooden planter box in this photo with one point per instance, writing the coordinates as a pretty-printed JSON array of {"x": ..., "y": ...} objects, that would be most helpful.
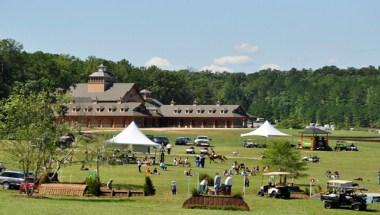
[{"x": 216, "y": 202}]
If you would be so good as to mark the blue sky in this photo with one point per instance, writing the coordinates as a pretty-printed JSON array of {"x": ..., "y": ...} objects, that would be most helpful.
[{"x": 237, "y": 36}]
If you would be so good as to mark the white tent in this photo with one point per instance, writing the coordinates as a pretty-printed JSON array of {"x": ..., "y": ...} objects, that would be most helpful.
[
  {"x": 265, "y": 130},
  {"x": 132, "y": 136}
]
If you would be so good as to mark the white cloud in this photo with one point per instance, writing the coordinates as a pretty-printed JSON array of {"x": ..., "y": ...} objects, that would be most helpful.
[
  {"x": 160, "y": 62},
  {"x": 270, "y": 66},
  {"x": 225, "y": 60},
  {"x": 215, "y": 68},
  {"x": 245, "y": 47}
]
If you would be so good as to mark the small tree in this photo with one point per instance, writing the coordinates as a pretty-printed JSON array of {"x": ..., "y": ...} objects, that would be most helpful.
[
  {"x": 149, "y": 189},
  {"x": 283, "y": 157},
  {"x": 28, "y": 126}
]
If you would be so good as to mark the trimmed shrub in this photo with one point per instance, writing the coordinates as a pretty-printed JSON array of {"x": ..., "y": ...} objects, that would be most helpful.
[
  {"x": 195, "y": 192},
  {"x": 237, "y": 195},
  {"x": 93, "y": 185},
  {"x": 149, "y": 189}
]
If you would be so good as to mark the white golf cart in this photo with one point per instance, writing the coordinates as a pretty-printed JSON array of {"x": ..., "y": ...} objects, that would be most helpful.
[{"x": 273, "y": 189}]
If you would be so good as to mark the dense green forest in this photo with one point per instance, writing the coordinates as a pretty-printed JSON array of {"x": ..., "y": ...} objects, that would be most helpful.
[{"x": 346, "y": 97}]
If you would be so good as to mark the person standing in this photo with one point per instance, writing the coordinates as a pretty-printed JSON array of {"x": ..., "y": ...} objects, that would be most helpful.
[
  {"x": 202, "y": 161},
  {"x": 173, "y": 187},
  {"x": 378, "y": 176},
  {"x": 169, "y": 148},
  {"x": 162, "y": 153},
  {"x": 139, "y": 165},
  {"x": 228, "y": 184},
  {"x": 217, "y": 183}
]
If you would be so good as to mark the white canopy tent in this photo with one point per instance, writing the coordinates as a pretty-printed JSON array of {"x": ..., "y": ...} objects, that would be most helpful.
[
  {"x": 265, "y": 130},
  {"x": 132, "y": 136}
]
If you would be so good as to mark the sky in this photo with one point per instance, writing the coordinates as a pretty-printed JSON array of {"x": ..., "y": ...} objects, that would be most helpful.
[{"x": 219, "y": 35}]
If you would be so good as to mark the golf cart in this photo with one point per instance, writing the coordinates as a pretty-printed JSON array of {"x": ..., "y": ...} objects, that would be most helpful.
[
  {"x": 190, "y": 150},
  {"x": 313, "y": 159},
  {"x": 342, "y": 146},
  {"x": 273, "y": 190},
  {"x": 342, "y": 193}
]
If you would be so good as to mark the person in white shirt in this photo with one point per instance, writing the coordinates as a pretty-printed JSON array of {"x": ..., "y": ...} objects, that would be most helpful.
[
  {"x": 169, "y": 148},
  {"x": 228, "y": 184},
  {"x": 203, "y": 186}
]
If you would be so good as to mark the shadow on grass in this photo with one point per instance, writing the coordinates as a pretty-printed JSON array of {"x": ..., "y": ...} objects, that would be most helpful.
[
  {"x": 90, "y": 199},
  {"x": 127, "y": 186}
]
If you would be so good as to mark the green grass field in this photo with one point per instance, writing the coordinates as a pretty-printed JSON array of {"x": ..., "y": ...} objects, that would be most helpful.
[{"x": 364, "y": 164}]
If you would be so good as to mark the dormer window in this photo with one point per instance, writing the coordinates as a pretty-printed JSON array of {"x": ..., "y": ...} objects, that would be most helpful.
[
  {"x": 112, "y": 109},
  {"x": 224, "y": 111},
  {"x": 100, "y": 109},
  {"x": 124, "y": 109},
  {"x": 76, "y": 109},
  {"x": 87, "y": 109}
]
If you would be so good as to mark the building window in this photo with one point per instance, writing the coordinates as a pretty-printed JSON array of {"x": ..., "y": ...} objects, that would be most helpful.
[
  {"x": 223, "y": 111},
  {"x": 125, "y": 109},
  {"x": 76, "y": 109}
]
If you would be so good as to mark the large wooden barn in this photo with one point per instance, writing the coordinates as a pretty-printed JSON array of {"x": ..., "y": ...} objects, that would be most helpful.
[{"x": 104, "y": 104}]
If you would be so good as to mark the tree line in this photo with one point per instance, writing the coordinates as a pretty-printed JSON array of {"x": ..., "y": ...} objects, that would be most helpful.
[{"x": 347, "y": 97}]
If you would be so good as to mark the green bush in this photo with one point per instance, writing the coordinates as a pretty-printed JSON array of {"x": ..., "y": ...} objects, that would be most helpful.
[
  {"x": 195, "y": 192},
  {"x": 149, "y": 189},
  {"x": 93, "y": 185},
  {"x": 237, "y": 195}
]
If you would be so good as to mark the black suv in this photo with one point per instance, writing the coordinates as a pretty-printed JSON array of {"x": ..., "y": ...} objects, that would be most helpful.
[
  {"x": 161, "y": 140},
  {"x": 183, "y": 141}
]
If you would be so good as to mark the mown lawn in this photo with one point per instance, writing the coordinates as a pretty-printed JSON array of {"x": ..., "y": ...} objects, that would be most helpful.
[{"x": 364, "y": 164}]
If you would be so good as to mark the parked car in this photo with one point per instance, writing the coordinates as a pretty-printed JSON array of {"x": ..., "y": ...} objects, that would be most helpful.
[
  {"x": 10, "y": 179},
  {"x": 250, "y": 144},
  {"x": 151, "y": 137},
  {"x": 183, "y": 141},
  {"x": 343, "y": 193},
  {"x": 203, "y": 141},
  {"x": 161, "y": 140}
]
